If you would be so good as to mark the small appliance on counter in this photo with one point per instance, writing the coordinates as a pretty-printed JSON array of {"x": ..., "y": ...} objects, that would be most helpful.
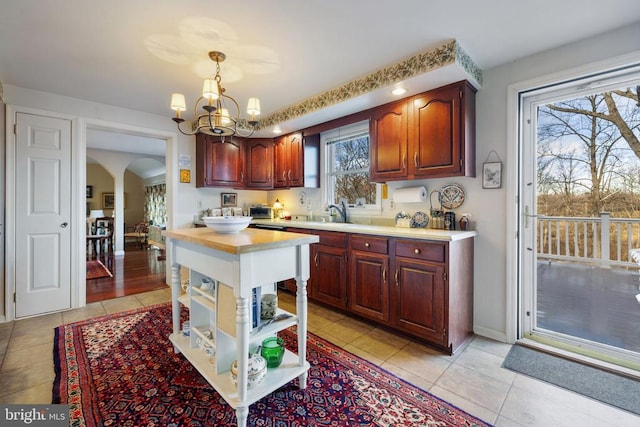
[{"x": 261, "y": 212}]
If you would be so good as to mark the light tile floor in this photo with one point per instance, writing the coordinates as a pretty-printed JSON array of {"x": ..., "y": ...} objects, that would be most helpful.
[{"x": 472, "y": 379}]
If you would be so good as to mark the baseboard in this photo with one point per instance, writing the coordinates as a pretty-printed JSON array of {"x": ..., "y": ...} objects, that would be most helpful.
[{"x": 490, "y": 333}]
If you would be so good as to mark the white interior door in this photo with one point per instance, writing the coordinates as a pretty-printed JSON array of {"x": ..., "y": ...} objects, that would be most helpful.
[{"x": 43, "y": 213}]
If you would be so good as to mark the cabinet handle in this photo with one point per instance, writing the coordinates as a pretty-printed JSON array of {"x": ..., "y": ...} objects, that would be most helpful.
[
  {"x": 241, "y": 176},
  {"x": 289, "y": 174},
  {"x": 284, "y": 175},
  {"x": 404, "y": 161},
  {"x": 415, "y": 159},
  {"x": 384, "y": 275},
  {"x": 416, "y": 251},
  {"x": 396, "y": 277},
  {"x": 366, "y": 245},
  {"x": 315, "y": 259}
]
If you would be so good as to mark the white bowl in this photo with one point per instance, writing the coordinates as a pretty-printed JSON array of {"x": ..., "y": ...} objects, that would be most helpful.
[{"x": 227, "y": 224}]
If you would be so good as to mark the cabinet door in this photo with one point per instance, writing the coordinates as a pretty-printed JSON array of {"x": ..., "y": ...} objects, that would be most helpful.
[
  {"x": 329, "y": 275},
  {"x": 219, "y": 163},
  {"x": 281, "y": 162},
  {"x": 368, "y": 285},
  {"x": 418, "y": 299},
  {"x": 259, "y": 163},
  {"x": 441, "y": 132},
  {"x": 389, "y": 139},
  {"x": 295, "y": 175},
  {"x": 289, "y": 161}
]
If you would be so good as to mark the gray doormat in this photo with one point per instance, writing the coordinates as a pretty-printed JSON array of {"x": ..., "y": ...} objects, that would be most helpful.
[{"x": 607, "y": 387}]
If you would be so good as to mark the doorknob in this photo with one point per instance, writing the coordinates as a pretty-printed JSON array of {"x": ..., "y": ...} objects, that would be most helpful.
[{"x": 64, "y": 224}]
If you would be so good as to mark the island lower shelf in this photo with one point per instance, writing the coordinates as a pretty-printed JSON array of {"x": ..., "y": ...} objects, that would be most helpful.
[{"x": 274, "y": 379}]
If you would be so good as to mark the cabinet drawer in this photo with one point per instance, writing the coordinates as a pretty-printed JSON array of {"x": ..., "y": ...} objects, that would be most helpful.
[
  {"x": 417, "y": 249},
  {"x": 329, "y": 238},
  {"x": 378, "y": 245}
]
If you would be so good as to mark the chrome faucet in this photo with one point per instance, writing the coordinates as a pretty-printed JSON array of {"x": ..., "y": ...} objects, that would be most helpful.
[{"x": 342, "y": 210}]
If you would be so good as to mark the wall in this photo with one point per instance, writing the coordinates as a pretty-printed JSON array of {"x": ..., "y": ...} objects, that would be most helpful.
[{"x": 102, "y": 182}]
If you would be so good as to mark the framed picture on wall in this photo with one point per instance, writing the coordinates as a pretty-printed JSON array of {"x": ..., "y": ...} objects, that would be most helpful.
[
  {"x": 492, "y": 175},
  {"x": 108, "y": 201},
  {"x": 229, "y": 199},
  {"x": 89, "y": 192}
]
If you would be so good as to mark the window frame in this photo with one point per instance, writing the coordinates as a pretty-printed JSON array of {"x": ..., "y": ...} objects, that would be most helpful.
[{"x": 326, "y": 158}]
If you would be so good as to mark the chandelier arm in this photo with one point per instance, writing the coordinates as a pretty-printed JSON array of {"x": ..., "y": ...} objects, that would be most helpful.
[{"x": 187, "y": 133}]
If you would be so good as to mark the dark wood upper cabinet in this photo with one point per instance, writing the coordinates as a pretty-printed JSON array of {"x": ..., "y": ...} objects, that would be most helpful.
[
  {"x": 289, "y": 161},
  {"x": 389, "y": 142},
  {"x": 259, "y": 163},
  {"x": 219, "y": 162},
  {"x": 429, "y": 135},
  {"x": 440, "y": 133}
]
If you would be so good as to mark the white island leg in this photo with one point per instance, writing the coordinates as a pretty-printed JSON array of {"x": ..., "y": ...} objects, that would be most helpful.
[
  {"x": 175, "y": 304},
  {"x": 242, "y": 355},
  {"x": 301, "y": 311}
]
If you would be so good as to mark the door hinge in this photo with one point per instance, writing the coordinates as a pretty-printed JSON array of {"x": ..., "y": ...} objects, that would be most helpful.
[
  {"x": 461, "y": 162},
  {"x": 14, "y": 297},
  {"x": 15, "y": 129},
  {"x": 461, "y": 93},
  {"x": 444, "y": 333},
  {"x": 445, "y": 276}
]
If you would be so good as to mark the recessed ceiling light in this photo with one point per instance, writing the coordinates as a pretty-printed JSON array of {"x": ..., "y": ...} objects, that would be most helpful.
[{"x": 399, "y": 91}]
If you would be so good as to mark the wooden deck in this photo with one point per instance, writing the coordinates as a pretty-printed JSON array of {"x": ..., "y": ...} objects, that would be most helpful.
[{"x": 590, "y": 302}]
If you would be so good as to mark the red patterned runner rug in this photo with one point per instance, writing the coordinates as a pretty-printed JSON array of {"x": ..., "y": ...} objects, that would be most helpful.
[
  {"x": 121, "y": 370},
  {"x": 96, "y": 270}
]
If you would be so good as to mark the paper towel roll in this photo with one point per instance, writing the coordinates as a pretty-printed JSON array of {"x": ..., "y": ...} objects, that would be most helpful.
[{"x": 410, "y": 195}]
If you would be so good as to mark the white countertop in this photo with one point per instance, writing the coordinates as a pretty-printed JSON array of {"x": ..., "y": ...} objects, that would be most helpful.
[{"x": 412, "y": 233}]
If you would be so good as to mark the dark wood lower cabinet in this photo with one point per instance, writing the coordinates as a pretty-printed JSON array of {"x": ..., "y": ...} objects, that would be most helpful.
[
  {"x": 418, "y": 299},
  {"x": 421, "y": 288},
  {"x": 369, "y": 277},
  {"x": 329, "y": 275}
]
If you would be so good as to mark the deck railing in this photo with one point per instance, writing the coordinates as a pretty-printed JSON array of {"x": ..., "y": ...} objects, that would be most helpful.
[{"x": 602, "y": 241}]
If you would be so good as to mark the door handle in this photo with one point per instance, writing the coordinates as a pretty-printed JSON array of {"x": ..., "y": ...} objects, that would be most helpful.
[
  {"x": 64, "y": 224},
  {"x": 527, "y": 215}
]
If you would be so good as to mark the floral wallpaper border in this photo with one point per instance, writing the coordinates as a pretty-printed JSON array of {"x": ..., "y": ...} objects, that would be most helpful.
[{"x": 447, "y": 54}]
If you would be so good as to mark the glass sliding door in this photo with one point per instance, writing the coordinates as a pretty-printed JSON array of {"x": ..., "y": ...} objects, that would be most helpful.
[{"x": 580, "y": 216}]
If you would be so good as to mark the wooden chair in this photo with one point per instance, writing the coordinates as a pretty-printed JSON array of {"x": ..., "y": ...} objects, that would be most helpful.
[
  {"x": 104, "y": 227},
  {"x": 140, "y": 233}
]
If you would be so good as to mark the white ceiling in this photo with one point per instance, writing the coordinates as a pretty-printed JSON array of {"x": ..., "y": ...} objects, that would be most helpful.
[{"x": 134, "y": 54}]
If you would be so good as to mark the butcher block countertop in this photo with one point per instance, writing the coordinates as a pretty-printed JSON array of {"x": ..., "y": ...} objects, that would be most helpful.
[{"x": 247, "y": 240}]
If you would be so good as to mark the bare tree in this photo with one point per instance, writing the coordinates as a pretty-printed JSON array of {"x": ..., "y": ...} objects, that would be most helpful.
[{"x": 580, "y": 148}]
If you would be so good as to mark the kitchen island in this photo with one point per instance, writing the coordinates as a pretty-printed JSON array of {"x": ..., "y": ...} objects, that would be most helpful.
[{"x": 238, "y": 263}]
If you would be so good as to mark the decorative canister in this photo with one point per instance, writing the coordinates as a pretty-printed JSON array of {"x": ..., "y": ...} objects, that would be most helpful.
[
  {"x": 464, "y": 221},
  {"x": 449, "y": 220},
  {"x": 437, "y": 215},
  {"x": 257, "y": 369},
  {"x": 273, "y": 351}
]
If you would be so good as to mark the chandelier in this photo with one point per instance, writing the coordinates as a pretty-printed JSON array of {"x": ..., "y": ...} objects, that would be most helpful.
[{"x": 216, "y": 119}]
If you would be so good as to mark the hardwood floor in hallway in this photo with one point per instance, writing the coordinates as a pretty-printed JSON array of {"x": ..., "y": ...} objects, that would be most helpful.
[{"x": 136, "y": 272}]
